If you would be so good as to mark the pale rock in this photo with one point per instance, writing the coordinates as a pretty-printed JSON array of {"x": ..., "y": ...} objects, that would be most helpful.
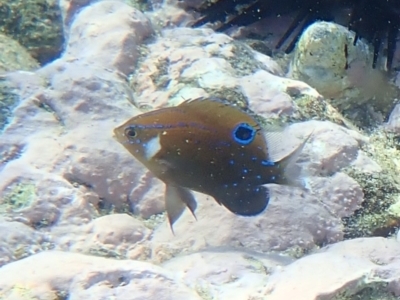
[
  {"x": 333, "y": 147},
  {"x": 78, "y": 109},
  {"x": 365, "y": 164},
  {"x": 341, "y": 194},
  {"x": 187, "y": 63},
  {"x": 110, "y": 52},
  {"x": 51, "y": 274},
  {"x": 18, "y": 240},
  {"x": 223, "y": 273},
  {"x": 118, "y": 228},
  {"x": 346, "y": 267},
  {"x": 326, "y": 58},
  {"x": 113, "y": 235},
  {"x": 320, "y": 57},
  {"x": 61, "y": 136},
  {"x": 393, "y": 123},
  {"x": 152, "y": 190}
]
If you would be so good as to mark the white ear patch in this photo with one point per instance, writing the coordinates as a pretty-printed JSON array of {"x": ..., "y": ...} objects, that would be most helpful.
[{"x": 152, "y": 147}]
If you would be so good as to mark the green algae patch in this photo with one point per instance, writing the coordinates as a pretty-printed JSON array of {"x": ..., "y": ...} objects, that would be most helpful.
[
  {"x": 381, "y": 191},
  {"x": 20, "y": 196},
  {"x": 243, "y": 60},
  {"x": 371, "y": 291},
  {"x": 35, "y": 24},
  {"x": 142, "y": 5},
  {"x": 316, "y": 108}
]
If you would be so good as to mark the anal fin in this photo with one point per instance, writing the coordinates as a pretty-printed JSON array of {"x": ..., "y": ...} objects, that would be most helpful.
[
  {"x": 176, "y": 200},
  {"x": 245, "y": 201}
]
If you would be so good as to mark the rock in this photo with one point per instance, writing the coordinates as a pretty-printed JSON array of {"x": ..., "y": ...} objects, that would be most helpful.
[
  {"x": 118, "y": 228},
  {"x": 177, "y": 66},
  {"x": 117, "y": 45},
  {"x": 18, "y": 241},
  {"x": 67, "y": 101},
  {"x": 326, "y": 59},
  {"x": 116, "y": 235},
  {"x": 60, "y": 274},
  {"x": 393, "y": 124},
  {"x": 222, "y": 273},
  {"x": 355, "y": 267}
]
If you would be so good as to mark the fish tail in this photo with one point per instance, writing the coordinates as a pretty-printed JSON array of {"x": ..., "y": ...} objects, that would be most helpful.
[{"x": 291, "y": 173}]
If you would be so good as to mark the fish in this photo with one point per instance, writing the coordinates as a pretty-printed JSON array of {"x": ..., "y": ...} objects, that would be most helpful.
[{"x": 212, "y": 147}]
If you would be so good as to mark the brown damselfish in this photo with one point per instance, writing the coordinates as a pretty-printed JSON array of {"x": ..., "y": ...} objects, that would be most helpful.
[{"x": 208, "y": 146}]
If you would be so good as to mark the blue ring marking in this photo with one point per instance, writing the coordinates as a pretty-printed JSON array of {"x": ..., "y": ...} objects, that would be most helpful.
[
  {"x": 247, "y": 129},
  {"x": 245, "y": 171},
  {"x": 267, "y": 163}
]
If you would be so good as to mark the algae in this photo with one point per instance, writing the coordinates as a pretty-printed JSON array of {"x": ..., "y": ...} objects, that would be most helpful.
[
  {"x": 371, "y": 291},
  {"x": 35, "y": 24},
  {"x": 243, "y": 60},
  {"x": 142, "y": 5},
  {"x": 381, "y": 190},
  {"x": 20, "y": 196}
]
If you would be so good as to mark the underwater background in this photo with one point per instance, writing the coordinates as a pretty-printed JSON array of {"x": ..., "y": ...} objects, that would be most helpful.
[{"x": 81, "y": 218}]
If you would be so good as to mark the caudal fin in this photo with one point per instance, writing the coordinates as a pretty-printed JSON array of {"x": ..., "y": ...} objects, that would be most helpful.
[{"x": 291, "y": 173}]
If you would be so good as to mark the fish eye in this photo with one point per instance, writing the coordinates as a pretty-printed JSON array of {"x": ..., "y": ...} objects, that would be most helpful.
[
  {"x": 244, "y": 133},
  {"x": 130, "y": 132}
]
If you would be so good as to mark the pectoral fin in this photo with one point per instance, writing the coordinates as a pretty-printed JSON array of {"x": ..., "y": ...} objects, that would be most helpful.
[{"x": 176, "y": 199}]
